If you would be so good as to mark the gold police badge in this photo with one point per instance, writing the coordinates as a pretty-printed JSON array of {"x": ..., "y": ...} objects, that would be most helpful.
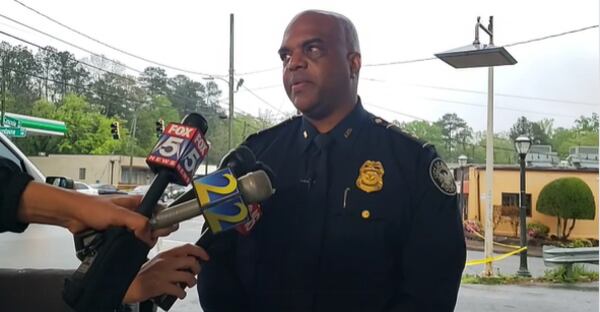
[
  {"x": 370, "y": 177},
  {"x": 442, "y": 177}
]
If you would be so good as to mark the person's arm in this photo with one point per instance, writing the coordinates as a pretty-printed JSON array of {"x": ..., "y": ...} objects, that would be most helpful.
[
  {"x": 162, "y": 274},
  {"x": 46, "y": 204},
  {"x": 434, "y": 253}
]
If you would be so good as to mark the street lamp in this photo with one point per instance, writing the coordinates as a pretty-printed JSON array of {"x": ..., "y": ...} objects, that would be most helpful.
[
  {"x": 522, "y": 145},
  {"x": 478, "y": 55},
  {"x": 230, "y": 83},
  {"x": 462, "y": 162}
]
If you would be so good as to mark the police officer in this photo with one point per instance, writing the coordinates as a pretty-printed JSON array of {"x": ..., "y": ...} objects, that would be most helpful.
[{"x": 364, "y": 217}]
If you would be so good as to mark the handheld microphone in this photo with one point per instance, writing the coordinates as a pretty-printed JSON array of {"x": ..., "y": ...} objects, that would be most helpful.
[
  {"x": 113, "y": 259},
  {"x": 253, "y": 187},
  {"x": 226, "y": 208}
]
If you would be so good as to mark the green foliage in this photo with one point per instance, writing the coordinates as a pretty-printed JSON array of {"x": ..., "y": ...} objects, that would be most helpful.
[
  {"x": 539, "y": 132},
  {"x": 578, "y": 243},
  {"x": 569, "y": 274},
  {"x": 493, "y": 280},
  {"x": 567, "y": 199}
]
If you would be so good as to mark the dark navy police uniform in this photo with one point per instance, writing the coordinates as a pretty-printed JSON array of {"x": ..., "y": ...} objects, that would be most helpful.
[{"x": 364, "y": 218}]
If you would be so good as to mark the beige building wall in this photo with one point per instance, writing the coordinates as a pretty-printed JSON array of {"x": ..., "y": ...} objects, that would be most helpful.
[
  {"x": 506, "y": 180},
  {"x": 97, "y": 169},
  {"x": 90, "y": 168}
]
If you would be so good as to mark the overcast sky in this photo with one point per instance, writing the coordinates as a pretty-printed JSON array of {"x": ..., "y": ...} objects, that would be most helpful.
[{"x": 556, "y": 78}]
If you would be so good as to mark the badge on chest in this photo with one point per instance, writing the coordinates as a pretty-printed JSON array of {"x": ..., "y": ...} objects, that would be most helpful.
[{"x": 370, "y": 178}]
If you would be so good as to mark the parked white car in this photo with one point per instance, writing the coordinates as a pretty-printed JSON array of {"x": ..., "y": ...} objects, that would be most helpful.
[{"x": 84, "y": 188}]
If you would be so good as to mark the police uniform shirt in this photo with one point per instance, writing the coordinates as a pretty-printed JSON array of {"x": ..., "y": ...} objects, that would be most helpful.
[{"x": 369, "y": 222}]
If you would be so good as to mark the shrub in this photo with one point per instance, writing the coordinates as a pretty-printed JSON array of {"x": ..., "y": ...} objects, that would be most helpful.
[
  {"x": 472, "y": 226},
  {"x": 567, "y": 199},
  {"x": 537, "y": 230}
]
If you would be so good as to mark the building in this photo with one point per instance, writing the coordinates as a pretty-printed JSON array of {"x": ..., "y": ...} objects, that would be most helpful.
[
  {"x": 506, "y": 196},
  {"x": 103, "y": 169}
]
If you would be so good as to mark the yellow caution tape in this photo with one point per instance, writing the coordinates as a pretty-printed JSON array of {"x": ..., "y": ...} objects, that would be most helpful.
[
  {"x": 496, "y": 243},
  {"x": 492, "y": 259}
]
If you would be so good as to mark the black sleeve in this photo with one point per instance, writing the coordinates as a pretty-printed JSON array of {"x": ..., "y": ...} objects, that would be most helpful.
[
  {"x": 13, "y": 183},
  {"x": 434, "y": 253},
  {"x": 219, "y": 288}
]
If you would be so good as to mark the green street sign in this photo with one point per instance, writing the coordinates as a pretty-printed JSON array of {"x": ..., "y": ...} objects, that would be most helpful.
[
  {"x": 11, "y": 122},
  {"x": 13, "y": 132}
]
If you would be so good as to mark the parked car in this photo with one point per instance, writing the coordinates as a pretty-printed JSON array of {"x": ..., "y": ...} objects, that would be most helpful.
[
  {"x": 84, "y": 188},
  {"x": 106, "y": 189}
]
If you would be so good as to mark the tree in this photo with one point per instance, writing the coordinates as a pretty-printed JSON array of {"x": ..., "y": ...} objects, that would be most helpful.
[
  {"x": 567, "y": 199},
  {"x": 423, "y": 130},
  {"x": 154, "y": 80},
  {"x": 539, "y": 132},
  {"x": 455, "y": 131},
  {"x": 187, "y": 95},
  {"x": 587, "y": 124}
]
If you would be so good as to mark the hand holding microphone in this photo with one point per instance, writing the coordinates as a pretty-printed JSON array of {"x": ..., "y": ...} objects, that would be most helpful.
[
  {"x": 112, "y": 260},
  {"x": 225, "y": 202}
]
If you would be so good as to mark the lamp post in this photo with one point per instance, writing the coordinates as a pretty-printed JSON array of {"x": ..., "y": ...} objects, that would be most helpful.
[
  {"x": 462, "y": 162},
  {"x": 481, "y": 55},
  {"x": 232, "y": 90},
  {"x": 522, "y": 145}
]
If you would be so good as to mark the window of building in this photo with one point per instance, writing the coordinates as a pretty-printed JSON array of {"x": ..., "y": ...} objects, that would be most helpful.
[
  {"x": 512, "y": 199},
  {"x": 81, "y": 173}
]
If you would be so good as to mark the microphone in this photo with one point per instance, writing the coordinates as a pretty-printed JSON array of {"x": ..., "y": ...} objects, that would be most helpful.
[
  {"x": 222, "y": 207},
  {"x": 112, "y": 259},
  {"x": 253, "y": 187}
]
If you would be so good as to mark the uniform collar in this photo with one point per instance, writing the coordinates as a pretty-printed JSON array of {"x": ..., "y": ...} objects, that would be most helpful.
[{"x": 343, "y": 133}]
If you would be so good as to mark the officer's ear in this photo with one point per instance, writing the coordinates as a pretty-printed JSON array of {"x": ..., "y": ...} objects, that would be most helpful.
[{"x": 354, "y": 59}]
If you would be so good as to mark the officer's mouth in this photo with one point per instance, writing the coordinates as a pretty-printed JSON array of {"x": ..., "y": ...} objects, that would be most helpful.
[{"x": 300, "y": 86}]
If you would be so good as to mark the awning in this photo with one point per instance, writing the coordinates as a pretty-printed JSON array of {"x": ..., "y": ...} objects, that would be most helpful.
[{"x": 36, "y": 125}]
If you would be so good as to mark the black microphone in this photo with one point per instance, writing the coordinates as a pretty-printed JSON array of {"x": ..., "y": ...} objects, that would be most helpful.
[{"x": 114, "y": 257}]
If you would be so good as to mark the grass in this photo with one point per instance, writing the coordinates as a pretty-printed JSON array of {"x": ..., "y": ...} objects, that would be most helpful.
[{"x": 559, "y": 275}]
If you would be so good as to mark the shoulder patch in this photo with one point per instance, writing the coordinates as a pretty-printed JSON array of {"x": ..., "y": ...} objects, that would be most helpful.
[{"x": 442, "y": 177}]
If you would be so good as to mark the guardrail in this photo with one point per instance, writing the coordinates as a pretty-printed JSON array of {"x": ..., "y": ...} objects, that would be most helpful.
[{"x": 569, "y": 256}]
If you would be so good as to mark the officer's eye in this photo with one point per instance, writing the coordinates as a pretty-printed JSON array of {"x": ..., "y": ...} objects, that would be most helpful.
[
  {"x": 314, "y": 51},
  {"x": 285, "y": 58}
]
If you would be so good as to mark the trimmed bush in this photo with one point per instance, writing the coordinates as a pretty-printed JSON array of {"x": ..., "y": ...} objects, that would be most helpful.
[{"x": 567, "y": 199}]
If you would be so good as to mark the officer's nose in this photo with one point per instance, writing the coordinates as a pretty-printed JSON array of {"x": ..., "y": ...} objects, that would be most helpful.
[{"x": 297, "y": 61}]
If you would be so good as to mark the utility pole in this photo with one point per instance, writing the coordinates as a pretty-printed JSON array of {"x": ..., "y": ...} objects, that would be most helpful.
[
  {"x": 4, "y": 60},
  {"x": 230, "y": 80},
  {"x": 131, "y": 140}
]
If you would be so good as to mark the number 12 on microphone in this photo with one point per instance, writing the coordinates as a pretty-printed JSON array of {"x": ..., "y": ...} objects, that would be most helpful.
[{"x": 220, "y": 200}]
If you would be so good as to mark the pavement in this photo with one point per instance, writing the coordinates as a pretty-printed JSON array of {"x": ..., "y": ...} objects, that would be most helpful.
[{"x": 51, "y": 247}]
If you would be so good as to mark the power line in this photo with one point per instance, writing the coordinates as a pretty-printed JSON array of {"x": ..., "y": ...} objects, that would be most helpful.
[
  {"x": 263, "y": 100},
  {"x": 76, "y": 60},
  {"x": 113, "y": 47},
  {"x": 257, "y": 71},
  {"x": 524, "y": 97},
  {"x": 551, "y": 36},
  {"x": 499, "y": 107},
  {"x": 399, "y": 113},
  {"x": 92, "y": 66},
  {"x": 70, "y": 44},
  {"x": 507, "y": 45}
]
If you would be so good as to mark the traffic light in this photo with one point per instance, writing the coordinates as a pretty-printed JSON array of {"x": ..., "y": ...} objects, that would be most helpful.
[
  {"x": 114, "y": 129},
  {"x": 160, "y": 127}
]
